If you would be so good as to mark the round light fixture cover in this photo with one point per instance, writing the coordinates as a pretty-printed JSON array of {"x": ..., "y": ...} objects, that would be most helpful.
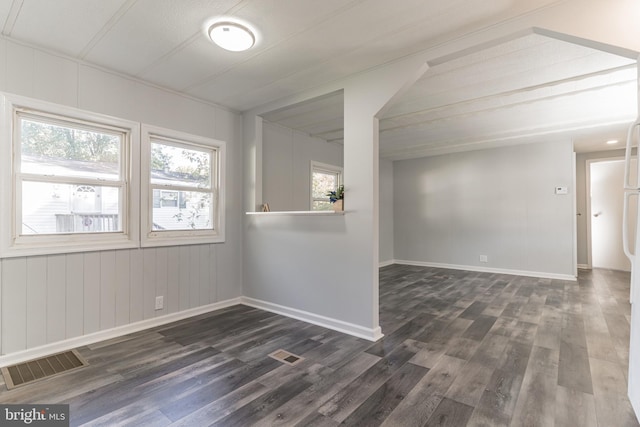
[{"x": 231, "y": 36}]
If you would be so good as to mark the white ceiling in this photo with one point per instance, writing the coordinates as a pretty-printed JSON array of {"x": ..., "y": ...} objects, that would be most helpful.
[
  {"x": 513, "y": 92},
  {"x": 516, "y": 92}
]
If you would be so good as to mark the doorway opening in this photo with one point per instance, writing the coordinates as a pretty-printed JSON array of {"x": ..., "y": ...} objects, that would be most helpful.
[{"x": 604, "y": 214}]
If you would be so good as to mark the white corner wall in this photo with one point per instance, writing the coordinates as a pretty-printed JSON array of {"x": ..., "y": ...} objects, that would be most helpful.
[
  {"x": 48, "y": 299},
  {"x": 451, "y": 209},
  {"x": 286, "y": 166},
  {"x": 386, "y": 212}
]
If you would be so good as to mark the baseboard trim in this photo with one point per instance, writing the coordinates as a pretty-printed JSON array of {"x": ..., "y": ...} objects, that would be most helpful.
[
  {"x": 386, "y": 263},
  {"x": 71, "y": 343},
  {"x": 584, "y": 267},
  {"x": 373, "y": 334},
  {"x": 538, "y": 274}
]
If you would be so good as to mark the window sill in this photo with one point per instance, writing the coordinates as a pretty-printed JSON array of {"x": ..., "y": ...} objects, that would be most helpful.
[{"x": 297, "y": 213}]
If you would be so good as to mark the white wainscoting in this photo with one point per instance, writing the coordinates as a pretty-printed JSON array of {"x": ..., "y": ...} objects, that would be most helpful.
[{"x": 48, "y": 299}]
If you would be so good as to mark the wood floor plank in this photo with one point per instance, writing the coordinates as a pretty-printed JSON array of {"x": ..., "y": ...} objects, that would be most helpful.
[
  {"x": 575, "y": 408},
  {"x": 450, "y": 413},
  {"x": 218, "y": 409},
  {"x": 421, "y": 402},
  {"x": 536, "y": 401},
  {"x": 470, "y": 383},
  {"x": 573, "y": 370},
  {"x": 354, "y": 394},
  {"x": 373, "y": 411},
  {"x": 306, "y": 403},
  {"x": 253, "y": 412}
]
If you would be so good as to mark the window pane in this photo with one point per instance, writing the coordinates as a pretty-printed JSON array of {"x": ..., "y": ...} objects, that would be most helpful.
[
  {"x": 66, "y": 208},
  {"x": 190, "y": 211},
  {"x": 323, "y": 182},
  {"x": 180, "y": 166},
  {"x": 321, "y": 206},
  {"x": 49, "y": 149}
]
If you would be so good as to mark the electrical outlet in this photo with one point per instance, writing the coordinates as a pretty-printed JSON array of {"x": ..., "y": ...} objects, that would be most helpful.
[
  {"x": 484, "y": 258},
  {"x": 159, "y": 303}
]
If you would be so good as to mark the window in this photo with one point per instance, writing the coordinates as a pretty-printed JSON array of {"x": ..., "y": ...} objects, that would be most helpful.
[
  {"x": 69, "y": 180},
  {"x": 183, "y": 188},
  {"x": 324, "y": 178}
]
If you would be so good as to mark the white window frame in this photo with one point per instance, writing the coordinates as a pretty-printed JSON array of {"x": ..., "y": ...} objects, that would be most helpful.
[
  {"x": 150, "y": 237},
  {"x": 12, "y": 243},
  {"x": 322, "y": 167}
]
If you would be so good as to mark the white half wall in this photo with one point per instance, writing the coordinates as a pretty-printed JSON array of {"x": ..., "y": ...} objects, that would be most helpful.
[
  {"x": 326, "y": 267},
  {"x": 49, "y": 299},
  {"x": 286, "y": 166},
  {"x": 499, "y": 203}
]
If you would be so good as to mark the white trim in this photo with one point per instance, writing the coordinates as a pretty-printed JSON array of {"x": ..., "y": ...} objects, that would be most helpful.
[
  {"x": 373, "y": 334},
  {"x": 386, "y": 263},
  {"x": 525, "y": 273},
  {"x": 296, "y": 213},
  {"x": 68, "y": 344},
  {"x": 583, "y": 267}
]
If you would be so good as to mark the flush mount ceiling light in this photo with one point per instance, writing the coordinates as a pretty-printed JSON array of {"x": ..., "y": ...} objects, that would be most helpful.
[
  {"x": 612, "y": 141},
  {"x": 231, "y": 36}
]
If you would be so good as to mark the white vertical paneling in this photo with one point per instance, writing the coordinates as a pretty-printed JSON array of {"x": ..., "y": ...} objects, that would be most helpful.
[
  {"x": 60, "y": 83},
  {"x": 172, "y": 300},
  {"x": 14, "y": 305},
  {"x": 75, "y": 295},
  {"x": 20, "y": 69},
  {"x": 184, "y": 278},
  {"x": 161, "y": 279},
  {"x": 194, "y": 279},
  {"x": 91, "y": 292},
  {"x": 36, "y": 301},
  {"x": 136, "y": 310},
  {"x": 149, "y": 282},
  {"x": 123, "y": 267},
  {"x": 203, "y": 275},
  {"x": 213, "y": 271},
  {"x": 56, "y": 298},
  {"x": 107, "y": 289}
]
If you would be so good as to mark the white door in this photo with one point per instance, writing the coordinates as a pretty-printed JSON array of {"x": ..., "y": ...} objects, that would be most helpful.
[{"x": 606, "y": 215}]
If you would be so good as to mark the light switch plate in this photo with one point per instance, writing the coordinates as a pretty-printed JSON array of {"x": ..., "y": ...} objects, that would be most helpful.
[{"x": 562, "y": 190}]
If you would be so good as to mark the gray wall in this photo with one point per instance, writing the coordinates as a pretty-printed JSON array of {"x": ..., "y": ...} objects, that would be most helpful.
[
  {"x": 500, "y": 202},
  {"x": 581, "y": 198},
  {"x": 46, "y": 299},
  {"x": 386, "y": 211},
  {"x": 286, "y": 166}
]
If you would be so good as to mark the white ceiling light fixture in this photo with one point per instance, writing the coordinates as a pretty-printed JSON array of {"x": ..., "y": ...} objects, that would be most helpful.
[
  {"x": 612, "y": 141},
  {"x": 231, "y": 36}
]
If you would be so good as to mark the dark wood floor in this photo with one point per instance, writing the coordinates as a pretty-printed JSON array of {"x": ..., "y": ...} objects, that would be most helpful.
[{"x": 460, "y": 349}]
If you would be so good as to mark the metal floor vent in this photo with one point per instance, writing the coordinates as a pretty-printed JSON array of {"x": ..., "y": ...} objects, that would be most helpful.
[
  {"x": 286, "y": 357},
  {"x": 45, "y": 367}
]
